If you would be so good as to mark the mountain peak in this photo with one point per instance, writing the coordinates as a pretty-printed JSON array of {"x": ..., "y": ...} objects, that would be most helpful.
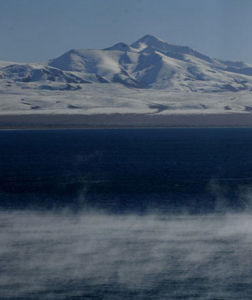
[
  {"x": 119, "y": 46},
  {"x": 148, "y": 38},
  {"x": 149, "y": 41}
]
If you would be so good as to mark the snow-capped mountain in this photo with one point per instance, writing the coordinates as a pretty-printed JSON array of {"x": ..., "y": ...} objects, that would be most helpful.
[
  {"x": 36, "y": 73},
  {"x": 153, "y": 63},
  {"x": 147, "y": 63},
  {"x": 148, "y": 76}
]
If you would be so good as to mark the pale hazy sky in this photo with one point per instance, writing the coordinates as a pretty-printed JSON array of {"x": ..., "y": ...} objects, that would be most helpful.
[{"x": 36, "y": 30}]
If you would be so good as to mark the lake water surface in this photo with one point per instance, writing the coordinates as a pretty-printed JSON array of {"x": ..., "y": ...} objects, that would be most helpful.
[{"x": 126, "y": 214}]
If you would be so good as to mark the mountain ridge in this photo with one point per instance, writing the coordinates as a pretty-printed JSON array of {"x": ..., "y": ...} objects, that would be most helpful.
[{"x": 147, "y": 63}]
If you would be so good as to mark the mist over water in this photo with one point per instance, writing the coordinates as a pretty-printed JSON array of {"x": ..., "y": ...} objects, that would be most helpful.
[
  {"x": 126, "y": 214},
  {"x": 94, "y": 255}
]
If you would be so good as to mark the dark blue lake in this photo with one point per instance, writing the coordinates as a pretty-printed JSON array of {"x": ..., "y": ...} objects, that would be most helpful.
[
  {"x": 126, "y": 170},
  {"x": 126, "y": 214}
]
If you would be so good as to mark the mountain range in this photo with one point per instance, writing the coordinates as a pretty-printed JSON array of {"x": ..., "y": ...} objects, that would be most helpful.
[
  {"x": 149, "y": 76},
  {"x": 147, "y": 63}
]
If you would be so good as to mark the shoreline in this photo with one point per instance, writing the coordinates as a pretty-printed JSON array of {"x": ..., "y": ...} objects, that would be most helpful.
[{"x": 127, "y": 121}]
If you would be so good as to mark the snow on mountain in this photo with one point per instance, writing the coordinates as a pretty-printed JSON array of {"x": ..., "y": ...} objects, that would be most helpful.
[
  {"x": 177, "y": 52},
  {"x": 108, "y": 64},
  {"x": 148, "y": 76},
  {"x": 147, "y": 63},
  {"x": 153, "y": 63},
  {"x": 36, "y": 73}
]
